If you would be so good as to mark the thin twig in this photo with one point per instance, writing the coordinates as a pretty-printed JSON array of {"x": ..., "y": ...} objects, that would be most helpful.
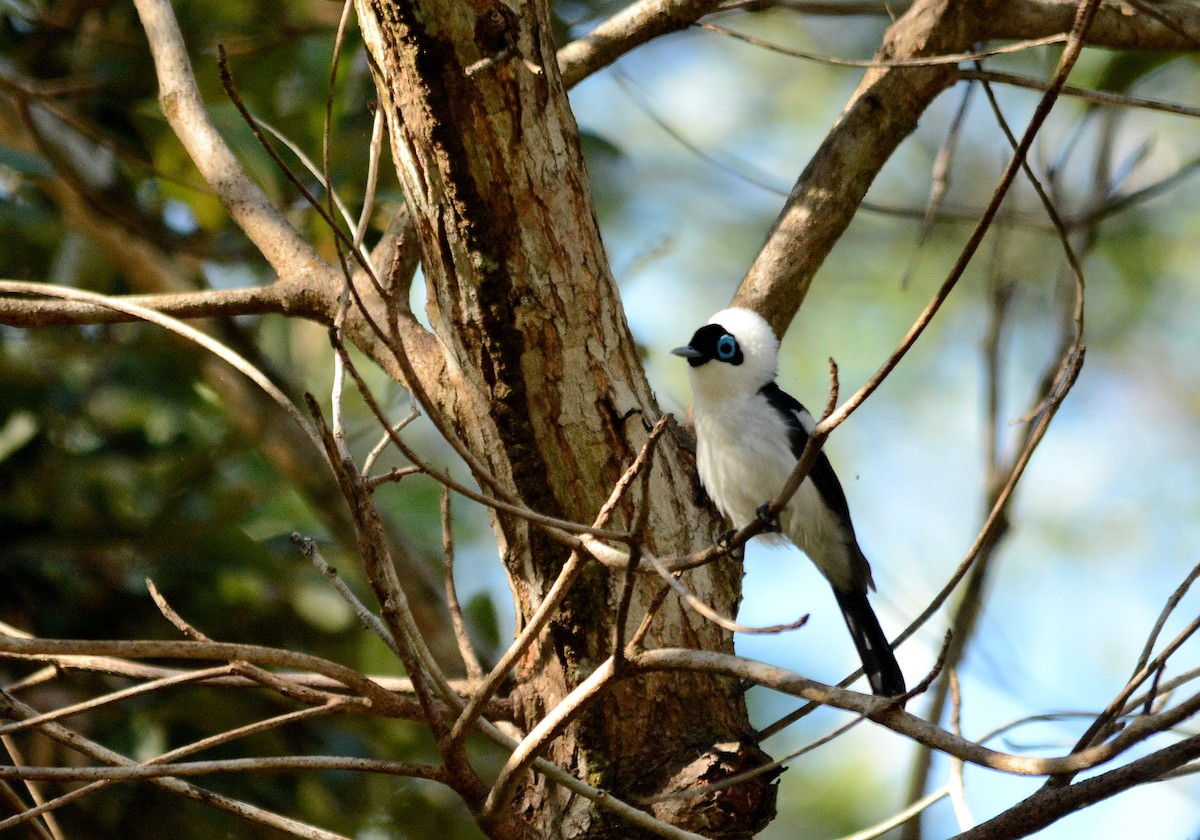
[
  {"x": 1164, "y": 614},
  {"x": 411, "y": 648},
  {"x": 262, "y": 764},
  {"x": 957, "y": 786},
  {"x": 302, "y": 693},
  {"x": 376, "y": 148},
  {"x": 47, "y": 828},
  {"x": 899, "y": 818},
  {"x": 383, "y": 701},
  {"x": 561, "y": 529},
  {"x": 870, "y": 63},
  {"x": 339, "y": 705},
  {"x": 1096, "y": 97},
  {"x": 366, "y": 617},
  {"x": 1101, "y": 723},
  {"x": 465, "y": 647},
  {"x": 566, "y": 710},
  {"x": 698, "y": 605},
  {"x": 114, "y": 697},
  {"x": 386, "y": 438},
  {"x": 77, "y": 742}
]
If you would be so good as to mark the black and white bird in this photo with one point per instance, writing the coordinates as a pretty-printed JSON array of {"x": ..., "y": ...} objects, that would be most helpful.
[{"x": 749, "y": 436}]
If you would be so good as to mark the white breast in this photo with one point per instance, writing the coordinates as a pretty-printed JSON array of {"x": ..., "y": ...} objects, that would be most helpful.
[{"x": 744, "y": 459}]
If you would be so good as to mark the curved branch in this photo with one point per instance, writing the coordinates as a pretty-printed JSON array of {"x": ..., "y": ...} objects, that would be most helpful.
[
  {"x": 382, "y": 700},
  {"x": 886, "y": 713},
  {"x": 1118, "y": 26},
  {"x": 280, "y": 297},
  {"x": 883, "y": 111},
  {"x": 1049, "y": 805},
  {"x": 282, "y": 246},
  {"x": 625, "y": 31},
  {"x": 74, "y": 741}
]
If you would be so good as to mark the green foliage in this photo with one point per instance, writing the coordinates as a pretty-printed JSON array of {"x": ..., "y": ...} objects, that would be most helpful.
[{"x": 118, "y": 463}]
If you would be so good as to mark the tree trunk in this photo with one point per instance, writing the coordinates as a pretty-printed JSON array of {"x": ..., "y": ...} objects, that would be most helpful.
[{"x": 543, "y": 384}]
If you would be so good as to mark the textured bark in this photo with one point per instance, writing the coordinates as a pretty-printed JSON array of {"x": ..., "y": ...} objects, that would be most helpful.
[{"x": 544, "y": 386}]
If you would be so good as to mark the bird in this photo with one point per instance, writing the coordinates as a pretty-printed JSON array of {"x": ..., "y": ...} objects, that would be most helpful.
[{"x": 749, "y": 436}]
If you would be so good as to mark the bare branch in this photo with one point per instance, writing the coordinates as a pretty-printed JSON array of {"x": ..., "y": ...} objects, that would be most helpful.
[
  {"x": 465, "y": 647},
  {"x": 877, "y": 63},
  {"x": 568, "y": 709},
  {"x": 886, "y": 712},
  {"x": 201, "y": 675},
  {"x": 77, "y": 742},
  {"x": 1048, "y": 805},
  {"x": 45, "y": 829},
  {"x": 51, "y": 649},
  {"x": 282, "y": 246},
  {"x": 629, "y": 28},
  {"x": 277, "y": 297},
  {"x": 1098, "y": 97},
  {"x": 144, "y": 772},
  {"x": 1016, "y": 164},
  {"x": 340, "y": 705}
]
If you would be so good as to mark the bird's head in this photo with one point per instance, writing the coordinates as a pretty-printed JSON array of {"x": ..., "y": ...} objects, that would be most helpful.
[{"x": 735, "y": 353}]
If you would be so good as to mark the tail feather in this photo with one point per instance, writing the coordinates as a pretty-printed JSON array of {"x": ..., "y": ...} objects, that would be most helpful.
[{"x": 882, "y": 670}]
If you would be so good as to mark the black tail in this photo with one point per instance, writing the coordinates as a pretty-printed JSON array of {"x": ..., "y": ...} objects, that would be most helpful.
[{"x": 878, "y": 662}]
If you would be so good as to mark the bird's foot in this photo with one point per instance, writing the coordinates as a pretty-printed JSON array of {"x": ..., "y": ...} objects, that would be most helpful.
[
  {"x": 725, "y": 540},
  {"x": 770, "y": 522}
]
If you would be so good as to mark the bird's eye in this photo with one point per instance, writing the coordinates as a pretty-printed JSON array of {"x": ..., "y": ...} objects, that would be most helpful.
[{"x": 726, "y": 347}]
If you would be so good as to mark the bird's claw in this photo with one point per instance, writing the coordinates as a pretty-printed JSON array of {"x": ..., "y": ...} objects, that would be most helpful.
[
  {"x": 770, "y": 521},
  {"x": 725, "y": 540}
]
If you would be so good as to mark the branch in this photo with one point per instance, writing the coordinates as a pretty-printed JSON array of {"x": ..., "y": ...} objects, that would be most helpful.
[
  {"x": 383, "y": 702},
  {"x": 1049, "y": 805},
  {"x": 283, "y": 247},
  {"x": 280, "y": 297},
  {"x": 340, "y": 705},
  {"x": 883, "y": 111},
  {"x": 77, "y": 742},
  {"x": 143, "y": 772},
  {"x": 1015, "y": 164},
  {"x": 1118, "y": 26},
  {"x": 885, "y": 712},
  {"x": 626, "y": 30}
]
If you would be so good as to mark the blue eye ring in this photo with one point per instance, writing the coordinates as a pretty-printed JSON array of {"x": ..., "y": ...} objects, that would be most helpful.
[{"x": 726, "y": 347}]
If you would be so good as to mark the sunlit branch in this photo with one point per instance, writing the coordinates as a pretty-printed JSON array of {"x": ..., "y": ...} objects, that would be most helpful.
[
  {"x": 623, "y": 32},
  {"x": 466, "y": 649},
  {"x": 183, "y": 106},
  {"x": 886, "y": 713},
  {"x": 384, "y": 702}
]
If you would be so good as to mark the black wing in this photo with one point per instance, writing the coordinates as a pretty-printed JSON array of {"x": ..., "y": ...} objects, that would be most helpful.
[{"x": 822, "y": 474}]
